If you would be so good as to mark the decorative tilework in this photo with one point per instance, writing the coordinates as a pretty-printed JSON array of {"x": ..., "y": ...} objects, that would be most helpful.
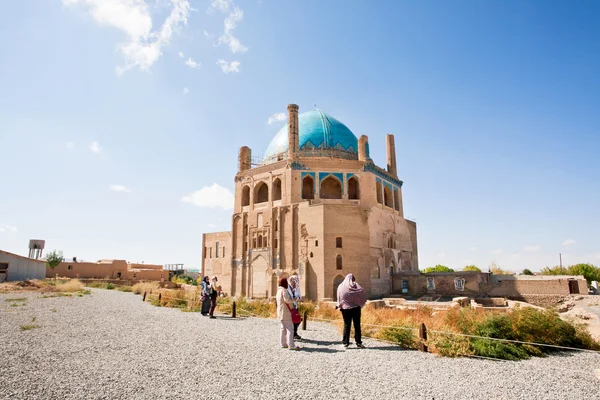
[
  {"x": 370, "y": 167},
  {"x": 295, "y": 165}
]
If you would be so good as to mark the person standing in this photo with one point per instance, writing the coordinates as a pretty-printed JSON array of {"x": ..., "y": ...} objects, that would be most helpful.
[
  {"x": 351, "y": 298},
  {"x": 284, "y": 315},
  {"x": 205, "y": 293},
  {"x": 214, "y": 292},
  {"x": 294, "y": 291}
]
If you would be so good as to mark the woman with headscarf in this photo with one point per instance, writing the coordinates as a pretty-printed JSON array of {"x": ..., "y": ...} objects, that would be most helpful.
[
  {"x": 214, "y": 292},
  {"x": 294, "y": 291},
  {"x": 284, "y": 314},
  {"x": 205, "y": 291},
  {"x": 351, "y": 298}
]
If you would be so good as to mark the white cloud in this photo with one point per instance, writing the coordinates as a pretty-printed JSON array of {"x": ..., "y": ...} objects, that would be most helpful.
[
  {"x": 119, "y": 188},
  {"x": 227, "y": 37},
  {"x": 212, "y": 226},
  {"x": 70, "y": 145},
  {"x": 229, "y": 67},
  {"x": 8, "y": 228},
  {"x": 568, "y": 242},
  {"x": 230, "y": 23},
  {"x": 186, "y": 90},
  {"x": 95, "y": 147},
  {"x": 192, "y": 64},
  {"x": 142, "y": 47},
  {"x": 222, "y": 5},
  {"x": 211, "y": 197},
  {"x": 206, "y": 34},
  {"x": 497, "y": 251},
  {"x": 277, "y": 117},
  {"x": 180, "y": 54},
  {"x": 531, "y": 248}
]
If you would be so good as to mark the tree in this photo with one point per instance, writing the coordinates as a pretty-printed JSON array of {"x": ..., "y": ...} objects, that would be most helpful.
[
  {"x": 526, "y": 272},
  {"x": 496, "y": 270},
  {"x": 438, "y": 268},
  {"x": 471, "y": 268},
  {"x": 556, "y": 270},
  {"x": 590, "y": 272},
  {"x": 53, "y": 259}
]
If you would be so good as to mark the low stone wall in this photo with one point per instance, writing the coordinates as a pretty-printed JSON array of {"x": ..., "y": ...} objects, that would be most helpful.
[
  {"x": 128, "y": 282},
  {"x": 542, "y": 300},
  {"x": 491, "y": 302}
]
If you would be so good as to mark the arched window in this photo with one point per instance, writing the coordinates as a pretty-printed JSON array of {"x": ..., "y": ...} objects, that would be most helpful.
[
  {"x": 308, "y": 187},
  {"x": 331, "y": 188},
  {"x": 338, "y": 261},
  {"x": 378, "y": 188},
  {"x": 260, "y": 242},
  {"x": 277, "y": 189},
  {"x": 261, "y": 193},
  {"x": 387, "y": 196},
  {"x": 353, "y": 189},
  {"x": 396, "y": 201},
  {"x": 246, "y": 196},
  {"x": 391, "y": 243}
]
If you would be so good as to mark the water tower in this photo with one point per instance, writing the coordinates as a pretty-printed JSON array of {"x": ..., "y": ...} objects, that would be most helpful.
[{"x": 36, "y": 247}]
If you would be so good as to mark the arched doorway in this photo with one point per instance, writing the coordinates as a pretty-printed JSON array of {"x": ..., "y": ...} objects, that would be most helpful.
[
  {"x": 246, "y": 196},
  {"x": 331, "y": 188},
  {"x": 259, "y": 270},
  {"x": 387, "y": 197},
  {"x": 277, "y": 189},
  {"x": 308, "y": 185},
  {"x": 261, "y": 193},
  {"x": 353, "y": 189},
  {"x": 336, "y": 282},
  {"x": 378, "y": 188}
]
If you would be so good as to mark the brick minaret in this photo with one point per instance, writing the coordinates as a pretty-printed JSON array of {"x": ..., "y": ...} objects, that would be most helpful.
[
  {"x": 390, "y": 149},
  {"x": 293, "y": 130}
]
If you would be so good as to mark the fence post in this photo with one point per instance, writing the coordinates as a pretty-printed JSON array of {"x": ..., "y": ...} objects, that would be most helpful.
[
  {"x": 159, "y": 298},
  {"x": 304, "y": 320},
  {"x": 233, "y": 310},
  {"x": 144, "y": 299},
  {"x": 423, "y": 337}
]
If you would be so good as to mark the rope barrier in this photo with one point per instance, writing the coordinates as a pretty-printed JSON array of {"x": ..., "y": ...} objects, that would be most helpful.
[{"x": 416, "y": 329}]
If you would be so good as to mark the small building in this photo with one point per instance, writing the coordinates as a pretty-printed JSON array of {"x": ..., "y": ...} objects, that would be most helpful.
[
  {"x": 109, "y": 269},
  {"x": 14, "y": 267}
]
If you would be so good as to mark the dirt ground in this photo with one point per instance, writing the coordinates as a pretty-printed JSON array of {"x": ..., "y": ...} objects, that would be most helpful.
[{"x": 583, "y": 309}]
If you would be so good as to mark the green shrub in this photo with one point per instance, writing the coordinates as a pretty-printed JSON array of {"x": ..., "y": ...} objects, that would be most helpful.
[
  {"x": 124, "y": 289},
  {"x": 399, "y": 335},
  {"x": 110, "y": 286}
]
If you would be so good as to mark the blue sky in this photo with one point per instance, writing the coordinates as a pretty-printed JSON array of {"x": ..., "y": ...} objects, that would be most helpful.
[{"x": 120, "y": 120}]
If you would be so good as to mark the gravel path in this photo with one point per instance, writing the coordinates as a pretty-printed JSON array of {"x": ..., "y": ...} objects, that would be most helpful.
[{"x": 111, "y": 345}]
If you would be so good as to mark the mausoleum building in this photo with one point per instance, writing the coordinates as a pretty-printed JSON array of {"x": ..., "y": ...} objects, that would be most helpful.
[{"x": 315, "y": 205}]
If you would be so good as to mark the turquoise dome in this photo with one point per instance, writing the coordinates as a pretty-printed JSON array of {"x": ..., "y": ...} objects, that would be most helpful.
[{"x": 318, "y": 130}]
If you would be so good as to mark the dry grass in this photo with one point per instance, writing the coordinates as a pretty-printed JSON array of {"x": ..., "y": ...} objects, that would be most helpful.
[
  {"x": 73, "y": 285},
  {"x": 149, "y": 287},
  {"x": 28, "y": 327}
]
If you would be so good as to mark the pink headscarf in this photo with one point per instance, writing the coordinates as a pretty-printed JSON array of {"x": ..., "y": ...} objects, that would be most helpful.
[{"x": 350, "y": 294}]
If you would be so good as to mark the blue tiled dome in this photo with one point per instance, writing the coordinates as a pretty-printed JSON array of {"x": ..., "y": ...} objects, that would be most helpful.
[{"x": 318, "y": 130}]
